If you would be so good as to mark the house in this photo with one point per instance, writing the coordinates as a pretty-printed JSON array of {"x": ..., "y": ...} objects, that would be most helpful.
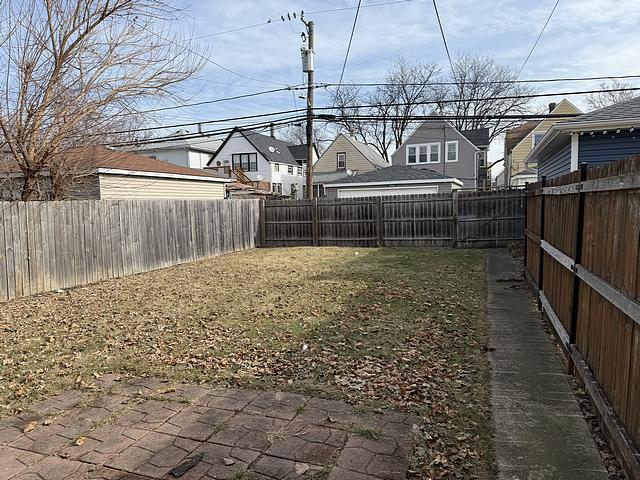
[
  {"x": 595, "y": 138},
  {"x": 263, "y": 160},
  {"x": 394, "y": 180},
  {"x": 344, "y": 156},
  {"x": 519, "y": 141},
  {"x": 438, "y": 146},
  {"x": 101, "y": 173},
  {"x": 186, "y": 152}
]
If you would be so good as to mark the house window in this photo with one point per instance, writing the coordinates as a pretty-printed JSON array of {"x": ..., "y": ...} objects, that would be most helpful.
[
  {"x": 426, "y": 153},
  {"x": 342, "y": 161},
  {"x": 246, "y": 161},
  {"x": 276, "y": 188},
  {"x": 537, "y": 137},
  {"x": 290, "y": 170},
  {"x": 481, "y": 156},
  {"x": 318, "y": 191},
  {"x": 300, "y": 173},
  {"x": 276, "y": 167},
  {"x": 452, "y": 151}
]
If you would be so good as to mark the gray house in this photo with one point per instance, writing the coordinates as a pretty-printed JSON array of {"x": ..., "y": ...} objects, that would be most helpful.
[
  {"x": 394, "y": 180},
  {"x": 596, "y": 138},
  {"x": 438, "y": 146}
]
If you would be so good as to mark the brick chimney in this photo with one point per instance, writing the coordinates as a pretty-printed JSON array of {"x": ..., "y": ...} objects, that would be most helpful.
[
  {"x": 552, "y": 107},
  {"x": 272, "y": 129}
]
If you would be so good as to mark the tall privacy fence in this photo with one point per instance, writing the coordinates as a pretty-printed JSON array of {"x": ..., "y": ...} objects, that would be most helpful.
[
  {"x": 49, "y": 245},
  {"x": 459, "y": 219},
  {"x": 583, "y": 233}
]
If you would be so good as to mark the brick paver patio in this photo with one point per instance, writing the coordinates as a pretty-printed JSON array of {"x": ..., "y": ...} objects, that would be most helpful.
[{"x": 143, "y": 429}]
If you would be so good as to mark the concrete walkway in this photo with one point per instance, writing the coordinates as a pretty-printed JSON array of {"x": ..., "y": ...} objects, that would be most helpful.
[
  {"x": 142, "y": 429},
  {"x": 540, "y": 431}
]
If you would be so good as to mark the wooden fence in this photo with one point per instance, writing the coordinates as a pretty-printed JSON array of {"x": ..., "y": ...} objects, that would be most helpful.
[
  {"x": 458, "y": 219},
  {"x": 49, "y": 245},
  {"x": 583, "y": 233}
]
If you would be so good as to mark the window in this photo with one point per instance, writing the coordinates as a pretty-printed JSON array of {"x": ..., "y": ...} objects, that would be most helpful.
[
  {"x": 300, "y": 173},
  {"x": 426, "y": 153},
  {"x": 276, "y": 188},
  {"x": 341, "y": 161},
  {"x": 276, "y": 167},
  {"x": 537, "y": 137},
  {"x": 481, "y": 157},
  {"x": 290, "y": 169},
  {"x": 452, "y": 151},
  {"x": 246, "y": 161},
  {"x": 318, "y": 191}
]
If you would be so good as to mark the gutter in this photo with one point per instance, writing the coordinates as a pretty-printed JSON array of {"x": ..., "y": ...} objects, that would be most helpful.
[{"x": 137, "y": 173}]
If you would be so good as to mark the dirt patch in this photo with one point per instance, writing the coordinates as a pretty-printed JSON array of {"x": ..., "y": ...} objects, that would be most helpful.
[{"x": 399, "y": 328}]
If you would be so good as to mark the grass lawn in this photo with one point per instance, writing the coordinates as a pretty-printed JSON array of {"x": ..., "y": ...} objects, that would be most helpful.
[{"x": 400, "y": 328}]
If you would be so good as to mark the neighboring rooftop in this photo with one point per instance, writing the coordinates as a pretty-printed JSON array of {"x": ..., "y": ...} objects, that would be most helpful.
[
  {"x": 515, "y": 135},
  {"x": 368, "y": 152},
  {"x": 627, "y": 110},
  {"x": 478, "y": 136},
  {"x": 205, "y": 143},
  {"x": 328, "y": 177},
  {"x": 396, "y": 173}
]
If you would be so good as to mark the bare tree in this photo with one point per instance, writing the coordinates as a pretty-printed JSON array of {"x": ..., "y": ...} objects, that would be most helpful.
[
  {"x": 297, "y": 134},
  {"x": 479, "y": 85},
  {"x": 388, "y": 108},
  {"x": 73, "y": 72},
  {"x": 604, "y": 98}
]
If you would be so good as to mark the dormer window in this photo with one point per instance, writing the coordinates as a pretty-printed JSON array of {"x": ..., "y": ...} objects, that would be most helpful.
[{"x": 341, "y": 161}]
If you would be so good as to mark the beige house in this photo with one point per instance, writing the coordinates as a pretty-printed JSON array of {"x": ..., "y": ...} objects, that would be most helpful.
[
  {"x": 101, "y": 173},
  {"x": 519, "y": 141},
  {"x": 346, "y": 153}
]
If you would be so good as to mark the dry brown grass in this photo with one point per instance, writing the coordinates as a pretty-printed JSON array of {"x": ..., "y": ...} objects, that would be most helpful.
[{"x": 390, "y": 327}]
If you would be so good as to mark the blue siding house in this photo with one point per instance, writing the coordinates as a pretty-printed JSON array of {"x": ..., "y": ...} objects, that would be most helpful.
[{"x": 602, "y": 136}]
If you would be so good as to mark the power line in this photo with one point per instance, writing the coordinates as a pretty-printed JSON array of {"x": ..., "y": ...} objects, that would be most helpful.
[
  {"x": 444, "y": 39},
  {"x": 346, "y": 57},
  {"x": 539, "y": 36}
]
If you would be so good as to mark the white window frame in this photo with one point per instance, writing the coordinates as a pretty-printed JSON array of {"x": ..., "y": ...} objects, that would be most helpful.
[
  {"x": 429, "y": 146},
  {"x": 300, "y": 172},
  {"x": 479, "y": 154},
  {"x": 446, "y": 151},
  {"x": 533, "y": 138},
  {"x": 289, "y": 169},
  {"x": 276, "y": 167},
  {"x": 344, "y": 159}
]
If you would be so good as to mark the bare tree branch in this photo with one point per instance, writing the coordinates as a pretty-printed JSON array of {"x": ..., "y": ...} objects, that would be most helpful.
[{"x": 599, "y": 100}]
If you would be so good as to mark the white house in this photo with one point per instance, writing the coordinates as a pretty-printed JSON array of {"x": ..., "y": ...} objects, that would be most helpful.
[
  {"x": 186, "y": 152},
  {"x": 264, "y": 160}
]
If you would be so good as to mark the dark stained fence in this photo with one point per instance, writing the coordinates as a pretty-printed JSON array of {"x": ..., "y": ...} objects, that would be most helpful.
[
  {"x": 458, "y": 219},
  {"x": 583, "y": 234},
  {"x": 50, "y": 245}
]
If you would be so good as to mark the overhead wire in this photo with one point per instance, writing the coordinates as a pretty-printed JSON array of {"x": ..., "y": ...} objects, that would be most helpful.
[
  {"x": 539, "y": 37},
  {"x": 346, "y": 57},
  {"x": 444, "y": 38}
]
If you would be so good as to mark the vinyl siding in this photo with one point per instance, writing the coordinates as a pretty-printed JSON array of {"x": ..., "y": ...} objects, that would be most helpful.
[
  {"x": 601, "y": 149},
  {"x": 520, "y": 151},
  {"x": 125, "y": 187},
  {"x": 440, "y": 132},
  {"x": 355, "y": 160},
  {"x": 556, "y": 163},
  {"x": 332, "y": 192}
]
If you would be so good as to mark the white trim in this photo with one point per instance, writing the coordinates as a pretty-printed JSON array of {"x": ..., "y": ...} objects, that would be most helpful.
[
  {"x": 136, "y": 173},
  {"x": 425, "y": 181},
  {"x": 446, "y": 151},
  {"x": 338, "y": 167},
  {"x": 418, "y": 146},
  {"x": 464, "y": 138},
  {"x": 447, "y": 122},
  {"x": 575, "y": 139},
  {"x": 389, "y": 188}
]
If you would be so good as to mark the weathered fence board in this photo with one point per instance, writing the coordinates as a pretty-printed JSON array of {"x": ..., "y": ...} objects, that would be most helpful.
[
  {"x": 49, "y": 245},
  {"x": 458, "y": 219},
  {"x": 585, "y": 227}
]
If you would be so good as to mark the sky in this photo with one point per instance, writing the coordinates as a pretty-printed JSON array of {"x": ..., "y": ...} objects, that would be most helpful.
[{"x": 583, "y": 38}]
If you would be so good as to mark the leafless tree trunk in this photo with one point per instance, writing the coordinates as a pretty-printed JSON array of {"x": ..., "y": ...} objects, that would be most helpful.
[
  {"x": 604, "y": 99},
  {"x": 72, "y": 71},
  {"x": 478, "y": 80}
]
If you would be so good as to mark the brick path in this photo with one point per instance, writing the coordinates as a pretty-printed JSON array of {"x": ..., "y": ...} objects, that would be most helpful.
[{"x": 142, "y": 429}]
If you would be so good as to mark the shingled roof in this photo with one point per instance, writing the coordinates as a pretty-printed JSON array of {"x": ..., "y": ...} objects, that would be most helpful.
[
  {"x": 515, "y": 135},
  {"x": 627, "y": 110},
  {"x": 478, "y": 136},
  {"x": 396, "y": 173}
]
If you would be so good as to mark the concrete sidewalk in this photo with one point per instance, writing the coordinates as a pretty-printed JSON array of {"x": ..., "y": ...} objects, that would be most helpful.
[{"x": 540, "y": 432}]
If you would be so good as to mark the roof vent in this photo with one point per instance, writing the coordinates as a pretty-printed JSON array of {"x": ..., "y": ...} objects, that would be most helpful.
[{"x": 271, "y": 149}]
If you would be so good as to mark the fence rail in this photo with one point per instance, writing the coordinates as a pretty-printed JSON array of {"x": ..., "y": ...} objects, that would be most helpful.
[
  {"x": 582, "y": 253},
  {"x": 458, "y": 219},
  {"x": 50, "y": 245}
]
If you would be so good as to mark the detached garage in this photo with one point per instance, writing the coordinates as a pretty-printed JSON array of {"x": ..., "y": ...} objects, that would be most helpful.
[{"x": 395, "y": 180}]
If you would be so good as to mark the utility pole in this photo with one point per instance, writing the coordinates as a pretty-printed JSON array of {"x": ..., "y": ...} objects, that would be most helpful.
[{"x": 307, "y": 66}]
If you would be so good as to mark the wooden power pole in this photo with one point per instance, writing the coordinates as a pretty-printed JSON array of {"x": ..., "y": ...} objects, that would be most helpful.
[{"x": 307, "y": 66}]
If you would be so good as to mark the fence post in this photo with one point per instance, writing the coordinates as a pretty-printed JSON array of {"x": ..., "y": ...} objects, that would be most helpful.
[
  {"x": 263, "y": 224},
  {"x": 526, "y": 224},
  {"x": 455, "y": 218},
  {"x": 380, "y": 214},
  {"x": 314, "y": 213},
  {"x": 543, "y": 184},
  {"x": 575, "y": 288}
]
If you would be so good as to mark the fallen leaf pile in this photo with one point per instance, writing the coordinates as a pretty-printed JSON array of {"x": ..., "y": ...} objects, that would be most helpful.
[{"x": 398, "y": 328}]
